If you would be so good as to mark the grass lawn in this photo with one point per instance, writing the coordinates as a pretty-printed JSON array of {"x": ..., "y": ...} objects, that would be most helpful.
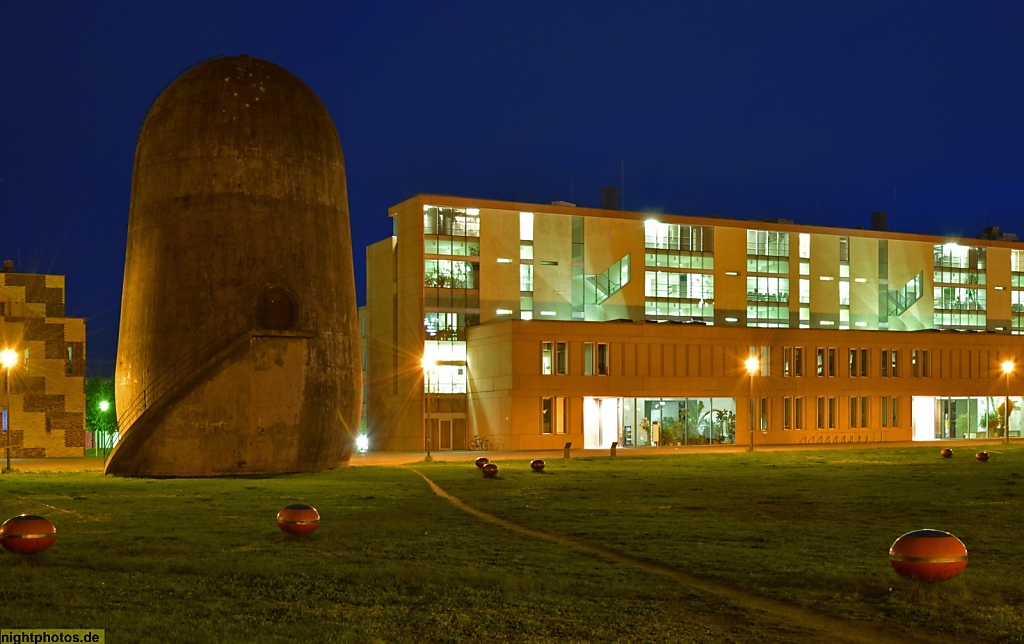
[{"x": 203, "y": 560}]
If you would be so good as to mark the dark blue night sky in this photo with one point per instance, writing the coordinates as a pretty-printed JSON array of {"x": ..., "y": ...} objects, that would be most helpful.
[{"x": 819, "y": 111}]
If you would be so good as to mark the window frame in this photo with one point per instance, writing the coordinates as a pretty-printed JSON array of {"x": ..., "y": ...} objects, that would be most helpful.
[
  {"x": 547, "y": 358},
  {"x": 561, "y": 358},
  {"x": 603, "y": 359}
]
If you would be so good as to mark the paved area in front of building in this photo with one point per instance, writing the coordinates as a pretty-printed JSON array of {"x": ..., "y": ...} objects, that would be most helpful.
[{"x": 367, "y": 459}]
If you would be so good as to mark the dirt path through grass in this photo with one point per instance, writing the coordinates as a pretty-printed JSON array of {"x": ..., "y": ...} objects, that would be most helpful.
[{"x": 831, "y": 628}]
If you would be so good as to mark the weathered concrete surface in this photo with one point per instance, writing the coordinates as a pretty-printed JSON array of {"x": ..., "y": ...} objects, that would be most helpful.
[{"x": 239, "y": 211}]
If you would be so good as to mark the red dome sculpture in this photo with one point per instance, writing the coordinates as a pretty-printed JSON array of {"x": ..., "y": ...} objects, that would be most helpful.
[
  {"x": 298, "y": 519},
  {"x": 928, "y": 555},
  {"x": 27, "y": 534}
]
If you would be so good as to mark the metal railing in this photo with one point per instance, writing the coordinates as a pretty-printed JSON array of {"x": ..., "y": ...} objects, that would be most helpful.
[{"x": 186, "y": 365}]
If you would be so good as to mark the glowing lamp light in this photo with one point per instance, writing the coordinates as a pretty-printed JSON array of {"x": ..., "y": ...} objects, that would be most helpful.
[
  {"x": 1007, "y": 366},
  {"x": 8, "y": 358},
  {"x": 362, "y": 443},
  {"x": 104, "y": 405},
  {"x": 654, "y": 228},
  {"x": 752, "y": 365}
]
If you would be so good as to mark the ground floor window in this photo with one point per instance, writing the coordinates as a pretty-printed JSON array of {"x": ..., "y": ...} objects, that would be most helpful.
[
  {"x": 553, "y": 414},
  {"x": 645, "y": 422},
  {"x": 944, "y": 418},
  {"x": 859, "y": 406}
]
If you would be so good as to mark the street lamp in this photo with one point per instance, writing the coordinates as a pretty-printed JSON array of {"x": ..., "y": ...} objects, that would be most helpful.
[
  {"x": 1008, "y": 367},
  {"x": 8, "y": 358},
  {"x": 104, "y": 407},
  {"x": 429, "y": 364},
  {"x": 752, "y": 364}
]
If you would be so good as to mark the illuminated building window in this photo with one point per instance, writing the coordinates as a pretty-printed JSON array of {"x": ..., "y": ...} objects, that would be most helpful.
[
  {"x": 554, "y": 413},
  {"x": 959, "y": 292},
  {"x": 455, "y": 222},
  {"x": 526, "y": 278},
  {"x": 767, "y": 278}
]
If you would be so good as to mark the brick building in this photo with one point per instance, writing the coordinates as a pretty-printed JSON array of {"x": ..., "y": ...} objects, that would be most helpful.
[{"x": 47, "y": 385}]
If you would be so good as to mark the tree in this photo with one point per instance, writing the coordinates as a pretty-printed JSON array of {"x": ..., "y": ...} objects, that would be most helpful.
[{"x": 101, "y": 422}]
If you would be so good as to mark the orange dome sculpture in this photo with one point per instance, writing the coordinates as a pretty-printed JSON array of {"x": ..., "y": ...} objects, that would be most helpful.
[
  {"x": 928, "y": 555},
  {"x": 27, "y": 534}
]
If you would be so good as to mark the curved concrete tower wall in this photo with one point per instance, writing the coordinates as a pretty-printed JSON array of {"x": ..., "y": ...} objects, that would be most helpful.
[{"x": 238, "y": 350}]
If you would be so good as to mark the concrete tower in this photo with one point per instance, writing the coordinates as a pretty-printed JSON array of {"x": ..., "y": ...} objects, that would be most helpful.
[{"x": 238, "y": 350}]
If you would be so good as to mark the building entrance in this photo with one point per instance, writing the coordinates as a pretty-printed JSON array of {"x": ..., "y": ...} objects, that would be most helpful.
[
  {"x": 600, "y": 422},
  {"x": 967, "y": 417},
  {"x": 447, "y": 432}
]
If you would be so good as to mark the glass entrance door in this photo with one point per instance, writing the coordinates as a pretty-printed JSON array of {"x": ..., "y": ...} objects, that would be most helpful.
[{"x": 445, "y": 439}]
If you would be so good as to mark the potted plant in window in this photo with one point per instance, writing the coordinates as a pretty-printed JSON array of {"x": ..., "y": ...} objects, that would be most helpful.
[{"x": 724, "y": 426}]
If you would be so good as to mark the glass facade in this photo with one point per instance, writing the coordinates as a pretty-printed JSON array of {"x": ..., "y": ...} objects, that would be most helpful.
[
  {"x": 684, "y": 288},
  {"x": 678, "y": 421},
  {"x": 768, "y": 278},
  {"x": 959, "y": 292},
  {"x": 451, "y": 279},
  {"x": 601, "y": 286},
  {"x": 976, "y": 417}
]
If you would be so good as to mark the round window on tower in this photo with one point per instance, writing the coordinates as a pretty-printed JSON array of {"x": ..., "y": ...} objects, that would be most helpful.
[{"x": 275, "y": 309}]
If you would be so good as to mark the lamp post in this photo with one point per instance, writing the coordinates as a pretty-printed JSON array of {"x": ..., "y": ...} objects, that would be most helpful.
[
  {"x": 752, "y": 364},
  {"x": 1008, "y": 367},
  {"x": 8, "y": 358},
  {"x": 104, "y": 407},
  {"x": 428, "y": 365}
]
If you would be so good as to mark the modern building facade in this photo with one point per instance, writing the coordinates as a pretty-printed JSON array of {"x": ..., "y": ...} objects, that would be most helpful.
[
  {"x": 536, "y": 325},
  {"x": 45, "y": 411}
]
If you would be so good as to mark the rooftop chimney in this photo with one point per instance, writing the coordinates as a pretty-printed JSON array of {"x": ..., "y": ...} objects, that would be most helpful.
[
  {"x": 610, "y": 198},
  {"x": 879, "y": 220}
]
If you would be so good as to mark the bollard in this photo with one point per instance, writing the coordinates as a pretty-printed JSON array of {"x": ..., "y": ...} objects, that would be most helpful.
[
  {"x": 566, "y": 454},
  {"x": 614, "y": 445}
]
